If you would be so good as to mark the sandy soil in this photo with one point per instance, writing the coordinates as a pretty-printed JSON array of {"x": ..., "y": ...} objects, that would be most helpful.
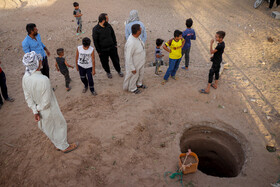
[{"x": 129, "y": 140}]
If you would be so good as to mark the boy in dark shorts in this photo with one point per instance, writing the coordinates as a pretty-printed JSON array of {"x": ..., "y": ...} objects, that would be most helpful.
[
  {"x": 78, "y": 15},
  {"x": 158, "y": 56},
  {"x": 216, "y": 59},
  {"x": 62, "y": 66}
]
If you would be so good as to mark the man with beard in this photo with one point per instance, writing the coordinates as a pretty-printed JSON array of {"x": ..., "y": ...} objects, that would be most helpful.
[
  {"x": 32, "y": 42},
  {"x": 105, "y": 42}
]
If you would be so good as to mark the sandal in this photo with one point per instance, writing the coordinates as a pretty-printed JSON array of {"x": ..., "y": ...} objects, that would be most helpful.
[
  {"x": 120, "y": 74},
  {"x": 71, "y": 147},
  {"x": 85, "y": 90},
  {"x": 214, "y": 86},
  {"x": 175, "y": 78},
  {"x": 142, "y": 86},
  {"x": 137, "y": 91},
  {"x": 10, "y": 99},
  {"x": 163, "y": 82},
  {"x": 94, "y": 93},
  {"x": 203, "y": 91},
  {"x": 109, "y": 75},
  {"x": 68, "y": 89}
]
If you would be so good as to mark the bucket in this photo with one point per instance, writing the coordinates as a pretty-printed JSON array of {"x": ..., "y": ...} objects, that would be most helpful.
[{"x": 193, "y": 167}]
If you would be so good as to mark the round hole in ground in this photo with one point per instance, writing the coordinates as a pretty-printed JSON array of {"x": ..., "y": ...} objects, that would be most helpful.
[{"x": 219, "y": 153}]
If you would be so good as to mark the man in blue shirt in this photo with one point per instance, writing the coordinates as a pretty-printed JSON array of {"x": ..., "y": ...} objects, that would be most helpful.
[
  {"x": 32, "y": 42},
  {"x": 188, "y": 35}
]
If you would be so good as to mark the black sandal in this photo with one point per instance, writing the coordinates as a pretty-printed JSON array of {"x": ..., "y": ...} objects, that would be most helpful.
[{"x": 137, "y": 91}]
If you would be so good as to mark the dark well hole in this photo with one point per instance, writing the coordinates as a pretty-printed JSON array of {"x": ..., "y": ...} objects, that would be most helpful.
[{"x": 219, "y": 153}]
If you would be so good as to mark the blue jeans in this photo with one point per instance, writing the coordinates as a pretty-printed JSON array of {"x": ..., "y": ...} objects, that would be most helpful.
[{"x": 173, "y": 67}]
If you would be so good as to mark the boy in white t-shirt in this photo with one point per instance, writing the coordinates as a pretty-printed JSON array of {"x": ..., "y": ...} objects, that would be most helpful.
[{"x": 85, "y": 64}]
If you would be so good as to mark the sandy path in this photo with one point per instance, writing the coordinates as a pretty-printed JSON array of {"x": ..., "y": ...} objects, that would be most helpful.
[{"x": 121, "y": 134}]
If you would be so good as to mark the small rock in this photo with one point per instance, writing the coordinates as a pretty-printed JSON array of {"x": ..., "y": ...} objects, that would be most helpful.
[
  {"x": 270, "y": 148},
  {"x": 72, "y": 20},
  {"x": 245, "y": 110},
  {"x": 268, "y": 118},
  {"x": 162, "y": 145},
  {"x": 221, "y": 106},
  {"x": 253, "y": 100},
  {"x": 269, "y": 39}
]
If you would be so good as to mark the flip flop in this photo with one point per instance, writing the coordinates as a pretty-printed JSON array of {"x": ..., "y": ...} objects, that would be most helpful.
[
  {"x": 85, "y": 90},
  {"x": 120, "y": 74},
  {"x": 109, "y": 75},
  {"x": 213, "y": 86},
  {"x": 203, "y": 91},
  {"x": 71, "y": 147},
  {"x": 174, "y": 77},
  {"x": 137, "y": 91},
  {"x": 163, "y": 82}
]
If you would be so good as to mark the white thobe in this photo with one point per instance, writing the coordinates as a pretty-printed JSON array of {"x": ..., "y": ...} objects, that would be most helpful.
[
  {"x": 40, "y": 98},
  {"x": 135, "y": 55}
]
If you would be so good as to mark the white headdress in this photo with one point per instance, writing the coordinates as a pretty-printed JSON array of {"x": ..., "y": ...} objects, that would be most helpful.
[
  {"x": 31, "y": 62},
  {"x": 133, "y": 16}
]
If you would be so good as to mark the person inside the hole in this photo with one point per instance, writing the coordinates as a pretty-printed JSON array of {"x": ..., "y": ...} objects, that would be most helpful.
[{"x": 216, "y": 59}]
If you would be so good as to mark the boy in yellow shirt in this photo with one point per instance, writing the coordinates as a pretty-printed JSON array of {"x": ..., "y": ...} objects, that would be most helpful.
[{"x": 175, "y": 54}]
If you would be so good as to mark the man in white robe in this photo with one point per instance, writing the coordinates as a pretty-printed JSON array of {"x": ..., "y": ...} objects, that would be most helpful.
[
  {"x": 134, "y": 61},
  {"x": 42, "y": 101}
]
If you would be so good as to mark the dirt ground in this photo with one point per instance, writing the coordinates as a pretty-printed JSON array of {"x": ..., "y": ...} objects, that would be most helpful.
[{"x": 134, "y": 140}]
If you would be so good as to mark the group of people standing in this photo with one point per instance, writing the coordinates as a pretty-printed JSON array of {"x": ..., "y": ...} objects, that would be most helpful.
[{"x": 36, "y": 83}]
